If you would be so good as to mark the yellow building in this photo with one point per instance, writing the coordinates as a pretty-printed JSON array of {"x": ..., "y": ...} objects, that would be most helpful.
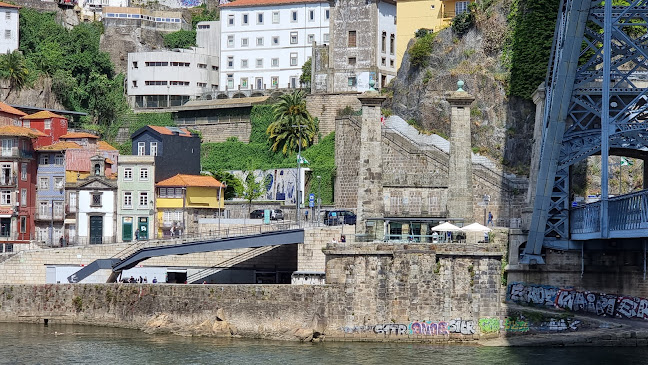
[
  {"x": 183, "y": 199},
  {"x": 413, "y": 15}
]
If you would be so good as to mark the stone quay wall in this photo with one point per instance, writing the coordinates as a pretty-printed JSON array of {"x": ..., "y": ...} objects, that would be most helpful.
[
  {"x": 221, "y": 131},
  {"x": 326, "y": 107}
]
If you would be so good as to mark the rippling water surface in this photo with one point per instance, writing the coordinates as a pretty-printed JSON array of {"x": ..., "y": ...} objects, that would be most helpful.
[{"x": 68, "y": 344}]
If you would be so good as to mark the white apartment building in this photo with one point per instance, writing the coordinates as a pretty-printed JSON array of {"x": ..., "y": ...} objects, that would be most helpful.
[
  {"x": 264, "y": 43},
  {"x": 162, "y": 79},
  {"x": 92, "y": 9},
  {"x": 8, "y": 27}
]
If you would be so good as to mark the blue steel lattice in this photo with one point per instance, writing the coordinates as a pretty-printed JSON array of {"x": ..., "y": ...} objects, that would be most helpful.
[{"x": 599, "y": 54}]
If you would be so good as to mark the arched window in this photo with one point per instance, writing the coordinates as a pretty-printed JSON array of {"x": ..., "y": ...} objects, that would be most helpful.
[{"x": 97, "y": 169}]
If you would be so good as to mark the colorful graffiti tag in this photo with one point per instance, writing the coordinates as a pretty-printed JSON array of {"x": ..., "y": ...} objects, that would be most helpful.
[{"x": 578, "y": 301}]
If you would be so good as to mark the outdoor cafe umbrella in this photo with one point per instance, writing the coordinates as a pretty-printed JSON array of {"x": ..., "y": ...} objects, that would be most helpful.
[
  {"x": 475, "y": 228},
  {"x": 446, "y": 227}
]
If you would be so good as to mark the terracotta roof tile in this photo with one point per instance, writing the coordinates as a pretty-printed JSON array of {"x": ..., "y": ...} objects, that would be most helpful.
[
  {"x": 103, "y": 145},
  {"x": 12, "y": 130},
  {"x": 5, "y": 5},
  {"x": 60, "y": 146},
  {"x": 43, "y": 114},
  {"x": 169, "y": 130},
  {"x": 191, "y": 180},
  {"x": 244, "y": 3},
  {"x": 9, "y": 109},
  {"x": 78, "y": 135}
]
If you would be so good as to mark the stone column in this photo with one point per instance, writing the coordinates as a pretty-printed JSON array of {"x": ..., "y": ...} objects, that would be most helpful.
[
  {"x": 539, "y": 100},
  {"x": 460, "y": 184},
  {"x": 370, "y": 189}
]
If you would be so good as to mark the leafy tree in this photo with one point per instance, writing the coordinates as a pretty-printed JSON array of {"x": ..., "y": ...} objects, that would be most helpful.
[
  {"x": 293, "y": 125},
  {"x": 233, "y": 183},
  {"x": 463, "y": 22},
  {"x": 204, "y": 15},
  {"x": 13, "y": 68},
  {"x": 251, "y": 188},
  {"x": 305, "y": 77},
  {"x": 421, "y": 50},
  {"x": 180, "y": 39}
]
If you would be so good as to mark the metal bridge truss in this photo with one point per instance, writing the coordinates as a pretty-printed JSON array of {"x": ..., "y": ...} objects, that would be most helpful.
[{"x": 596, "y": 103}]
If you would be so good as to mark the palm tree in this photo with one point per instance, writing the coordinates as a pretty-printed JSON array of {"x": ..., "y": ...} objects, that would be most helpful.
[
  {"x": 14, "y": 68},
  {"x": 292, "y": 124}
]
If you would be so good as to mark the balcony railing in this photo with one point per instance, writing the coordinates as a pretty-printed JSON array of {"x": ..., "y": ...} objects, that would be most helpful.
[
  {"x": 48, "y": 216},
  {"x": 8, "y": 180}
]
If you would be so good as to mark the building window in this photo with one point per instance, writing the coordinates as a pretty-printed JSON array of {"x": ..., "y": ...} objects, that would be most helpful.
[
  {"x": 42, "y": 209},
  {"x": 230, "y": 61},
  {"x": 325, "y": 38},
  {"x": 230, "y": 20},
  {"x": 352, "y": 38},
  {"x": 259, "y": 63},
  {"x": 230, "y": 81},
  {"x": 383, "y": 61},
  {"x": 293, "y": 16},
  {"x": 128, "y": 200},
  {"x": 43, "y": 183},
  {"x": 96, "y": 200},
  {"x": 59, "y": 159},
  {"x": 144, "y": 174},
  {"x": 6, "y": 197},
  {"x": 275, "y": 41},
  {"x": 204, "y": 65},
  {"x": 392, "y": 40},
  {"x": 275, "y": 62},
  {"x": 461, "y": 7},
  {"x": 58, "y": 209},
  {"x": 230, "y": 41},
  {"x": 162, "y": 192},
  {"x": 311, "y": 38},
  {"x": 244, "y": 63},
  {"x": 141, "y": 148},
  {"x": 23, "y": 197},
  {"x": 8, "y": 34},
  {"x": 201, "y": 84},
  {"x": 23, "y": 224},
  {"x": 352, "y": 81},
  {"x": 153, "y": 83},
  {"x": 391, "y": 63},
  {"x": 293, "y": 38},
  {"x": 128, "y": 173},
  {"x": 274, "y": 81},
  {"x": 293, "y": 59},
  {"x": 311, "y": 15},
  {"x": 275, "y": 17},
  {"x": 245, "y": 19},
  {"x": 383, "y": 45},
  {"x": 244, "y": 82},
  {"x": 7, "y": 147},
  {"x": 26, "y": 124},
  {"x": 260, "y": 18},
  {"x": 73, "y": 202},
  {"x": 8, "y": 15},
  {"x": 154, "y": 149},
  {"x": 259, "y": 41},
  {"x": 48, "y": 124},
  {"x": 58, "y": 182},
  {"x": 143, "y": 200},
  {"x": 352, "y": 61},
  {"x": 23, "y": 171},
  {"x": 327, "y": 14},
  {"x": 97, "y": 170},
  {"x": 244, "y": 42},
  {"x": 134, "y": 64},
  {"x": 134, "y": 83}
]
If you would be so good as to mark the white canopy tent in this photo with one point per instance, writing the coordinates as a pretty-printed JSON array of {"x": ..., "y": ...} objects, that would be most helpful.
[
  {"x": 475, "y": 229},
  {"x": 446, "y": 227}
]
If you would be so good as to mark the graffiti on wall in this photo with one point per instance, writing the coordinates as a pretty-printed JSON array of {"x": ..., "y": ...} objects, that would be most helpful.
[
  {"x": 280, "y": 184},
  {"x": 578, "y": 301},
  {"x": 520, "y": 324},
  {"x": 429, "y": 328}
]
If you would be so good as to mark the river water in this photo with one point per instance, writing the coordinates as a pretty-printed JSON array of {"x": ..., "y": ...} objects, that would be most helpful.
[{"x": 71, "y": 344}]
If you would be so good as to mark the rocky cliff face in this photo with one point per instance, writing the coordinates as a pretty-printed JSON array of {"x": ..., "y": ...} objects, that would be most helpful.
[{"x": 501, "y": 126}]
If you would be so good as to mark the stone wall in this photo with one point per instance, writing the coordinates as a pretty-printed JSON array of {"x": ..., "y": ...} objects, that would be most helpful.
[
  {"x": 310, "y": 256},
  {"x": 326, "y": 107},
  {"x": 347, "y": 155},
  {"x": 222, "y": 131}
]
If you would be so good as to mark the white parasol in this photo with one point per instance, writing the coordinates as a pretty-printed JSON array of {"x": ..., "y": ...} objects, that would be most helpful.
[{"x": 446, "y": 227}]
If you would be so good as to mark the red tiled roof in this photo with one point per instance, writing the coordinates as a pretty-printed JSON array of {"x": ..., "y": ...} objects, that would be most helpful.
[
  {"x": 78, "y": 135},
  {"x": 5, "y": 5},
  {"x": 60, "y": 146},
  {"x": 164, "y": 130},
  {"x": 9, "y": 109},
  {"x": 103, "y": 145},
  {"x": 191, "y": 180},
  {"x": 12, "y": 130},
  {"x": 43, "y": 114},
  {"x": 242, "y": 3}
]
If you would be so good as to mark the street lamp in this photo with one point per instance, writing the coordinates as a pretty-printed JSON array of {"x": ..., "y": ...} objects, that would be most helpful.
[
  {"x": 319, "y": 198},
  {"x": 298, "y": 175},
  {"x": 486, "y": 199}
]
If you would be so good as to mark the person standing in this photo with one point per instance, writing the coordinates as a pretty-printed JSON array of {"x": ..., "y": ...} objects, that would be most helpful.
[{"x": 490, "y": 219}]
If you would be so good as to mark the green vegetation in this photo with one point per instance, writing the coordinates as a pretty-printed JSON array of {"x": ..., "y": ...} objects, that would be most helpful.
[
  {"x": 13, "y": 67},
  {"x": 180, "y": 39},
  {"x": 233, "y": 183},
  {"x": 463, "y": 22},
  {"x": 83, "y": 77},
  {"x": 292, "y": 125},
  {"x": 204, "y": 15},
  {"x": 421, "y": 50},
  {"x": 305, "y": 77},
  {"x": 250, "y": 189},
  {"x": 533, "y": 24}
]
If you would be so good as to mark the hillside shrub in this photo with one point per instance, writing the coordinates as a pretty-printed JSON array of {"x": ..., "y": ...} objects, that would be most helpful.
[{"x": 421, "y": 50}]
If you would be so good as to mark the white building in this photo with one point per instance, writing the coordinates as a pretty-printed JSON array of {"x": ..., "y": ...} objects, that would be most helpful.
[
  {"x": 136, "y": 194},
  {"x": 163, "y": 79},
  {"x": 264, "y": 43},
  {"x": 92, "y": 9},
  {"x": 8, "y": 27}
]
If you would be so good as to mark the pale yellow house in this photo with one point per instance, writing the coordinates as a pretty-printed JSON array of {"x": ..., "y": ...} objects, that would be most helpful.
[
  {"x": 183, "y": 199},
  {"x": 413, "y": 15}
]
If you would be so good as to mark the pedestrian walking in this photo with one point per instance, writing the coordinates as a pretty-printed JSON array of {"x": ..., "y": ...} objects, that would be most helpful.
[{"x": 490, "y": 219}]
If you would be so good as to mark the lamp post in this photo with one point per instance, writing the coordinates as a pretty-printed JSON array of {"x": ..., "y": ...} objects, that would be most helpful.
[
  {"x": 486, "y": 199},
  {"x": 298, "y": 175},
  {"x": 319, "y": 198}
]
